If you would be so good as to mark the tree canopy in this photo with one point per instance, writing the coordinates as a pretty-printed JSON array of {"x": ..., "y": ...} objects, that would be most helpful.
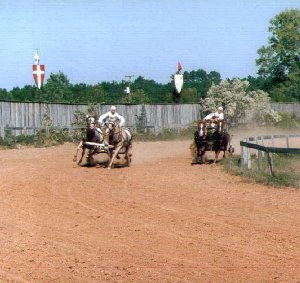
[{"x": 279, "y": 61}]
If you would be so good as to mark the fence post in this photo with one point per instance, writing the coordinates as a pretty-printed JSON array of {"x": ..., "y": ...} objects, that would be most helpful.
[
  {"x": 270, "y": 163},
  {"x": 287, "y": 141},
  {"x": 245, "y": 153},
  {"x": 259, "y": 160},
  {"x": 273, "y": 144},
  {"x": 248, "y": 158},
  {"x": 256, "y": 152},
  {"x": 262, "y": 143},
  {"x": 242, "y": 156}
]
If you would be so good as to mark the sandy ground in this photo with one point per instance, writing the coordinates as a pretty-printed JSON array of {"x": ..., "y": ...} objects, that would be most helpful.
[{"x": 161, "y": 220}]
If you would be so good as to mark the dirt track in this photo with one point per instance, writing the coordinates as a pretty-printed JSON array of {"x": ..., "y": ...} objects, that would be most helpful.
[{"x": 161, "y": 220}]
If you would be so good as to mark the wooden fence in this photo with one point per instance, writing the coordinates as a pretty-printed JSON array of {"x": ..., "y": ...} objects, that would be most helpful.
[
  {"x": 261, "y": 149},
  {"x": 292, "y": 107},
  {"x": 25, "y": 118}
]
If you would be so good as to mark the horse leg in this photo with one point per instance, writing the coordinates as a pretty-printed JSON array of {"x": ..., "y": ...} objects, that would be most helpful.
[
  {"x": 82, "y": 154},
  {"x": 202, "y": 153},
  {"x": 89, "y": 158},
  {"x": 198, "y": 154},
  {"x": 226, "y": 142},
  {"x": 130, "y": 150},
  {"x": 114, "y": 155},
  {"x": 77, "y": 149},
  {"x": 216, "y": 155},
  {"x": 127, "y": 158},
  {"x": 128, "y": 154}
]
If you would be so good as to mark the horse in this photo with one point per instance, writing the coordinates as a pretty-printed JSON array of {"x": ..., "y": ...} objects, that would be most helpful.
[
  {"x": 90, "y": 134},
  {"x": 211, "y": 135},
  {"x": 119, "y": 138}
]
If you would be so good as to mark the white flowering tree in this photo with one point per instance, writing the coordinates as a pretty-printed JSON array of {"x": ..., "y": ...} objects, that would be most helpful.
[{"x": 239, "y": 103}]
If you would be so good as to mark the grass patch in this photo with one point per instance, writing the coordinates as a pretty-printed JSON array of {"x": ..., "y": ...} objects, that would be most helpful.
[
  {"x": 41, "y": 139},
  {"x": 285, "y": 169}
]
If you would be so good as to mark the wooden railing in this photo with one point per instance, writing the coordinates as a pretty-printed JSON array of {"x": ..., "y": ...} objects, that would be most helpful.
[{"x": 261, "y": 149}]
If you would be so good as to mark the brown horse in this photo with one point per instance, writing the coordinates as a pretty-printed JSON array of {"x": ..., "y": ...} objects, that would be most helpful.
[
  {"x": 211, "y": 136},
  {"x": 89, "y": 136},
  {"x": 119, "y": 138}
]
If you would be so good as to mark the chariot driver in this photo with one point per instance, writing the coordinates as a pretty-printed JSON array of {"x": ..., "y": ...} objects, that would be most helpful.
[
  {"x": 218, "y": 118},
  {"x": 113, "y": 117}
]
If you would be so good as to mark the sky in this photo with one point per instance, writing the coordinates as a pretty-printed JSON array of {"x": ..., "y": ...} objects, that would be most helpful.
[{"x": 94, "y": 41}]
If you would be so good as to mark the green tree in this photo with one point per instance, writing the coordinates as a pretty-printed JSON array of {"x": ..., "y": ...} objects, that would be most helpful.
[
  {"x": 97, "y": 94},
  {"x": 154, "y": 91},
  {"x": 189, "y": 95},
  {"x": 80, "y": 93},
  {"x": 57, "y": 88},
  {"x": 278, "y": 62},
  {"x": 200, "y": 81},
  {"x": 5, "y": 95},
  {"x": 136, "y": 97}
]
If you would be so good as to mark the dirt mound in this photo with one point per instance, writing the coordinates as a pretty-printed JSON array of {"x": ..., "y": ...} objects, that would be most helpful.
[{"x": 159, "y": 220}]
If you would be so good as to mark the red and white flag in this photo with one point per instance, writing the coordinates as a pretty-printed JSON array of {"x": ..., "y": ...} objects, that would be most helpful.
[{"x": 38, "y": 74}]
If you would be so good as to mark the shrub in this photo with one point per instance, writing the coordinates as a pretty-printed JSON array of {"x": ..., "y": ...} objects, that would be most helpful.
[{"x": 284, "y": 172}]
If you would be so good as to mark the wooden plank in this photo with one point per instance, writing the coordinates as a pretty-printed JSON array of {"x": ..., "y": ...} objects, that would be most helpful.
[
  {"x": 287, "y": 142},
  {"x": 294, "y": 135}
]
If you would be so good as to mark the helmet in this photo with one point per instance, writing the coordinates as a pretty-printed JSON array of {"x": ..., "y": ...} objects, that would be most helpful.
[
  {"x": 220, "y": 108},
  {"x": 113, "y": 108}
]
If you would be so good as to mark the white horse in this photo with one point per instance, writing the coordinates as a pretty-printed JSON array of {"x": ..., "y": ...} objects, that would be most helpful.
[{"x": 119, "y": 138}]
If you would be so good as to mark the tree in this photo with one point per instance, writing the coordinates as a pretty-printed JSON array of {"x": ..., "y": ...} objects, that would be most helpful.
[
  {"x": 136, "y": 97},
  {"x": 81, "y": 93},
  {"x": 154, "y": 91},
  {"x": 58, "y": 88},
  {"x": 239, "y": 102},
  {"x": 200, "y": 81},
  {"x": 279, "y": 60},
  {"x": 5, "y": 95},
  {"x": 189, "y": 95},
  {"x": 97, "y": 94}
]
